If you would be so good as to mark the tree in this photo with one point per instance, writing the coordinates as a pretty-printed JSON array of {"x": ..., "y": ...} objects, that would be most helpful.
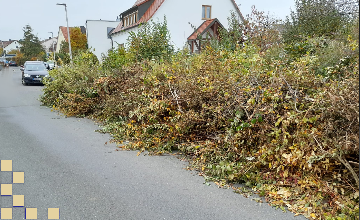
[
  {"x": 314, "y": 18},
  {"x": 228, "y": 39},
  {"x": 14, "y": 51},
  {"x": 78, "y": 41},
  {"x": 348, "y": 8},
  {"x": 31, "y": 46},
  {"x": 262, "y": 30},
  {"x": 64, "y": 47},
  {"x": 19, "y": 58},
  {"x": 151, "y": 41}
]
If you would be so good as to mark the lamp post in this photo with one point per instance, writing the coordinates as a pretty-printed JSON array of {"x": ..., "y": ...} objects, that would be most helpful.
[
  {"x": 67, "y": 24},
  {"x": 52, "y": 36}
]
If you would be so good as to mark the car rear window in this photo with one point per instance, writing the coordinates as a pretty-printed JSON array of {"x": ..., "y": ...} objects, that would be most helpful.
[{"x": 35, "y": 67}]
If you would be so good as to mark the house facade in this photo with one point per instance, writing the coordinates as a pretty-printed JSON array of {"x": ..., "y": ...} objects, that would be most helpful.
[
  {"x": 11, "y": 45},
  {"x": 98, "y": 38},
  {"x": 48, "y": 44},
  {"x": 185, "y": 19},
  {"x": 61, "y": 37}
]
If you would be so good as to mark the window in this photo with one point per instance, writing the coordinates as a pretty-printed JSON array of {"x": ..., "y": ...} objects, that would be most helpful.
[
  {"x": 206, "y": 12},
  {"x": 130, "y": 19}
]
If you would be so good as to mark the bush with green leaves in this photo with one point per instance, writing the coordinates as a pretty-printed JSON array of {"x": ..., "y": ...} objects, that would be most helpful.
[
  {"x": 115, "y": 59},
  {"x": 230, "y": 38},
  {"x": 62, "y": 58},
  {"x": 71, "y": 88},
  {"x": 314, "y": 18},
  {"x": 150, "y": 41}
]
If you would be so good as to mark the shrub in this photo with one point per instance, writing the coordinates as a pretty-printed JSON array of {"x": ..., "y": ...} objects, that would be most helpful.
[
  {"x": 115, "y": 59},
  {"x": 151, "y": 41},
  {"x": 71, "y": 87},
  {"x": 263, "y": 118}
]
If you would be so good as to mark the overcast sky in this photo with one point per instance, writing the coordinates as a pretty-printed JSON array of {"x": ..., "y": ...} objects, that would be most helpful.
[{"x": 45, "y": 16}]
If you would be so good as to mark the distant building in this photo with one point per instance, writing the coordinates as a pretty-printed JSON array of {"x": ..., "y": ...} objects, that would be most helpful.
[
  {"x": 98, "y": 38},
  {"x": 10, "y": 45},
  {"x": 48, "y": 44}
]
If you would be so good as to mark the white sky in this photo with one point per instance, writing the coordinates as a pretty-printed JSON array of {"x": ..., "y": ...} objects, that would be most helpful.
[{"x": 45, "y": 16}]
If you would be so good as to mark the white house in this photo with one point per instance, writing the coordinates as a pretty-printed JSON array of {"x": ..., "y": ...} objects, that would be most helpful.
[
  {"x": 186, "y": 19},
  {"x": 98, "y": 38},
  {"x": 62, "y": 36},
  {"x": 11, "y": 45},
  {"x": 48, "y": 44}
]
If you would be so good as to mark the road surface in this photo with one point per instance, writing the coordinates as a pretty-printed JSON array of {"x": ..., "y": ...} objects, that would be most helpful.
[{"x": 67, "y": 165}]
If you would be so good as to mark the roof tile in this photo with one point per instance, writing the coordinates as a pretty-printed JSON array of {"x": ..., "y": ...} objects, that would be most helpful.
[
  {"x": 139, "y": 2},
  {"x": 200, "y": 29},
  {"x": 65, "y": 33}
]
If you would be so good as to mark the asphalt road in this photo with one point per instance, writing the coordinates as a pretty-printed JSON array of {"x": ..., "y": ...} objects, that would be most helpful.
[{"x": 68, "y": 166}]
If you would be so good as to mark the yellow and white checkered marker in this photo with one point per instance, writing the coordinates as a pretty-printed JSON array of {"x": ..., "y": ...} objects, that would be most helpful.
[
  {"x": 18, "y": 200},
  {"x": 6, "y": 165},
  {"x": 18, "y": 177},
  {"x": 31, "y": 213},
  {"x": 6, "y": 213},
  {"x": 53, "y": 213},
  {"x": 6, "y": 189}
]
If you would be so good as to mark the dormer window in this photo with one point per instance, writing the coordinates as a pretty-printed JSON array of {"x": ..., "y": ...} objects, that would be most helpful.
[
  {"x": 130, "y": 19},
  {"x": 206, "y": 12}
]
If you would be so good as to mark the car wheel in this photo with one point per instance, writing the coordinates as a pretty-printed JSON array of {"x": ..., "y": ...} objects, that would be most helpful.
[{"x": 23, "y": 82}]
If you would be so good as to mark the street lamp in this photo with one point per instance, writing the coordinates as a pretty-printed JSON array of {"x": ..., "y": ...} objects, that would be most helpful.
[
  {"x": 52, "y": 36},
  {"x": 67, "y": 23}
]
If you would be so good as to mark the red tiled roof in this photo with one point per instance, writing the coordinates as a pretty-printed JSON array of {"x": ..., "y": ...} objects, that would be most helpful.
[
  {"x": 118, "y": 28},
  {"x": 151, "y": 11},
  {"x": 65, "y": 33},
  {"x": 139, "y": 2},
  {"x": 146, "y": 17},
  {"x": 204, "y": 27},
  {"x": 200, "y": 29}
]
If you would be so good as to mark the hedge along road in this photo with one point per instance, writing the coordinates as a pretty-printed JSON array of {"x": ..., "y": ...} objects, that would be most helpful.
[{"x": 68, "y": 166}]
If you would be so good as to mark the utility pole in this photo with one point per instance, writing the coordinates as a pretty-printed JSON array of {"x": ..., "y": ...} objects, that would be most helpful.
[{"x": 67, "y": 24}]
